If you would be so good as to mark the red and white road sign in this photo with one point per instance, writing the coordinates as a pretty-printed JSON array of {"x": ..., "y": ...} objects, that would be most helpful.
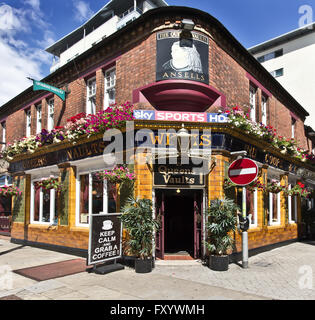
[{"x": 243, "y": 171}]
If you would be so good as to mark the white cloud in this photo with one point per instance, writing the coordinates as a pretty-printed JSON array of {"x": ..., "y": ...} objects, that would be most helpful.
[
  {"x": 82, "y": 11},
  {"x": 16, "y": 67},
  {"x": 12, "y": 20},
  {"x": 34, "y": 4},
  {"x": 18, "y": 58}
]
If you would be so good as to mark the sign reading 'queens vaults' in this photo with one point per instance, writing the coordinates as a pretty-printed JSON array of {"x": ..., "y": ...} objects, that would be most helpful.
[{"x": 182, "y": 55}]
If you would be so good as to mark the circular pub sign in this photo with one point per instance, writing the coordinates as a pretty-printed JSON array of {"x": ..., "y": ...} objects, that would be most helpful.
[{"x": 243, "y": 171}]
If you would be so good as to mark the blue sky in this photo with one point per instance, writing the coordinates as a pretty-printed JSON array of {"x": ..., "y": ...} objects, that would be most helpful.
[{"x": 27, "y": 27}]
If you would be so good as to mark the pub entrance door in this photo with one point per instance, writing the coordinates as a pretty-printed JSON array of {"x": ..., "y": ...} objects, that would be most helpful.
[
  {"x": 180, "y": 212},
  {"x": 5, "y": 215}
]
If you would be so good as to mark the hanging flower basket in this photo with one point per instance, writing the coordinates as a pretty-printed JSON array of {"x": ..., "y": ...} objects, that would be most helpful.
[
  {"x": 255, "y": 185},
  {"x": 300, "y": 190},
  {"x": 273, "y": 187},
  {"x": 77, "y": 126},
  {"x": 7, "y": 191},
  {"x": 49, "y": 183},
  {"x": 116, "y": 175}
]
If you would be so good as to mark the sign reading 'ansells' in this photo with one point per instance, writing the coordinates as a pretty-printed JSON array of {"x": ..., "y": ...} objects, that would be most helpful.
[{"x": 182, "y": 55}]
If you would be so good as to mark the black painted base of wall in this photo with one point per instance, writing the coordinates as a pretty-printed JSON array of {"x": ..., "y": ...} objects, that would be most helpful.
[
  {"x": 62, "y": 249},
  {"x": 237, "y": 256},
  {"x": 130, "y": 261}
]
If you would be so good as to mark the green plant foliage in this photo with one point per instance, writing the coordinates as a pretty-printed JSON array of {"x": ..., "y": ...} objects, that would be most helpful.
[
  {"x": 222, "y": 218},
  {"x": 137, "y": 219}
]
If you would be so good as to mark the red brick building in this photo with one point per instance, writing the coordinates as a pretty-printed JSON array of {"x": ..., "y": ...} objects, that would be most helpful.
[{"x": 132, "y": 65}]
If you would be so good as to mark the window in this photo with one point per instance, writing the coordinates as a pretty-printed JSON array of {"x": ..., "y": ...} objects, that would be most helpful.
[
  {"x": 110, "y": 93},
  {"x": 4, "y": 133},
  {"x": 94, "y": 196},
  {"x": 51, "y": 111},
  {"x": 293, "y": 122},
  {"x": 277, "y": 73},
  {"x": 273, "y": 207},
  {"x": 271, "y": 55},
  {"x": 28, "y": 122},
  {"x": 43, "y": 205},
  {"x": 38, "y": 118},
  {"x": 264, "y": 110},
  {"x": 292, "y": 207},
  {"x": 251, "y": 204},
  {"x": 91, "y": 96},
  {"x": 5, "y": 180},
  {"x": 252, "y": 103}
]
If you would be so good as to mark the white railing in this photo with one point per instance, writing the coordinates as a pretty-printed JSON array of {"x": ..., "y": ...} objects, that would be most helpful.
[{"x": 128, "y": 16}]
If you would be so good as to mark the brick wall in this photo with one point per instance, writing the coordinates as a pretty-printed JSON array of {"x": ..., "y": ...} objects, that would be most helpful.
[{"x": 136, "y": 68}]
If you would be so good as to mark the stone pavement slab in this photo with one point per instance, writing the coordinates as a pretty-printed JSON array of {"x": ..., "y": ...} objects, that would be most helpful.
[{"x": 275, "y": 274}]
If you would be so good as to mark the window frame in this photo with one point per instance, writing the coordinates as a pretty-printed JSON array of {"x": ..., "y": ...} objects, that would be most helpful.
[
  {"x": 90, "y": 104},
  {"x": 292, "y": 221},
  {"x": 252, "y": 102},
  {"x": 255, "y": 215},
  {"x": 4, "y": 134},
  {"x": 39, "y": 113},
  {"x": 107, "y": 88},
  {"x": 6, "y": 180},
  {"x": 50, "y": 116},
  {"x": 264, "y": 107},
  {"x": 28, "y": 114},
  {"x": 78, "y": 190},
  {"x": 293, "y": 124},
  {"x": 271, "y": 209},
  {"x": 277, "y": 75},
  {"x": 52, "y": 210},
  {"x": 271, "y": 55}
]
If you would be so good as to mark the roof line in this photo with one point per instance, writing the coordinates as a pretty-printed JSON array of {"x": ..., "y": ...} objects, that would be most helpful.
[
  {"x": 170, "y": 9},
  {"x": 305, "y": 28},
  {"x": 82, "y": 25}
]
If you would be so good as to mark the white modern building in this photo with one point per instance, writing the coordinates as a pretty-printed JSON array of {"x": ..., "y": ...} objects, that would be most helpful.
[
  {"x": 112, "y": 17},
  {"x": 290, "y": 58}
]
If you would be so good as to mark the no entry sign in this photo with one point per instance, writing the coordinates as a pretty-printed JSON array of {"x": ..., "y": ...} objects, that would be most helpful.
[{"x": 243, "y": 171}]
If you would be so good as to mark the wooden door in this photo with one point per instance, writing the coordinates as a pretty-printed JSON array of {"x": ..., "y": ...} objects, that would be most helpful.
[{"x": 159, "y": 213}]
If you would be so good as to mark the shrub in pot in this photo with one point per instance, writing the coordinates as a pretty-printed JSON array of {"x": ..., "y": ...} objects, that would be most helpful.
[
  {"x": 222, "y": 219},
  {"x": 140, "y": 225}
]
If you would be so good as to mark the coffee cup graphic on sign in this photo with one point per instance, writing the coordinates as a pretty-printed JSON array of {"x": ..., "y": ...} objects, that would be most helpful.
[{"x": 107, "y": 225}]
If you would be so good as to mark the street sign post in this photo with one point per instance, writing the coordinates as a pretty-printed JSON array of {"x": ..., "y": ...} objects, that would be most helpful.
[{"x": 242, "y": 172}]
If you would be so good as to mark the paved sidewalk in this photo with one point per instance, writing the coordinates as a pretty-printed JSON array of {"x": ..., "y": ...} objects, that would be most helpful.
[
  {"x": 272, "y": 275},
  {"x": 277, "y": 274}
]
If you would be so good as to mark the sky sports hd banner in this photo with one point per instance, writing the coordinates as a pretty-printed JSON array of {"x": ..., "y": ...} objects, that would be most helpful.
[{"x": 179, "y": 116}]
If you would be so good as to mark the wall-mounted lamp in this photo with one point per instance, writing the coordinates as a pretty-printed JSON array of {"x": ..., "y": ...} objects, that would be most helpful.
[
  {"x": 183, "y": 140},
  {"x": 188, "y": 24},
  {"x": 239, "y": 154}
]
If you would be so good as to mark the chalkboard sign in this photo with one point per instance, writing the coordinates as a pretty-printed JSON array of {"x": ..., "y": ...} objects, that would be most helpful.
[{"x": 105, "y": 238}]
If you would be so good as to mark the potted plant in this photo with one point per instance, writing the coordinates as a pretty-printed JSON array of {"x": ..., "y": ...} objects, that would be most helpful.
[
  {"x": 222, "y": 218},
  {"x": 140, "y": 225}
]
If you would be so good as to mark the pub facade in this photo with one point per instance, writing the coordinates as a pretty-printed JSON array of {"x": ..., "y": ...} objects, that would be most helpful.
[{"x": 182, "y": 71}]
